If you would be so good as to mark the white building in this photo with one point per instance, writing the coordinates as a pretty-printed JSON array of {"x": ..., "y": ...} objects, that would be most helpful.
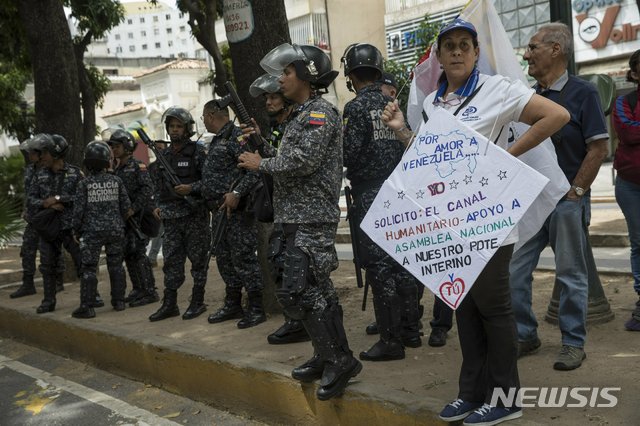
[{"x": 148, "y": 30}]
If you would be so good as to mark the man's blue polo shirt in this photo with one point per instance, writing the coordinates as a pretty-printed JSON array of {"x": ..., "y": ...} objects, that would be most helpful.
[{"x": 587, "y": 123}]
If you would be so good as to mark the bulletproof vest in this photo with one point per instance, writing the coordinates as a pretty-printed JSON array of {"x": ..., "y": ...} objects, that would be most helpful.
[{"x": 183, "y": 163}]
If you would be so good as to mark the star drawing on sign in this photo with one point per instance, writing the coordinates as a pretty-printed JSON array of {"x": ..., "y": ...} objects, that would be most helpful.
[
  {"x": 420, "y": 194},
  {"x": 401, "y": 195},
  {"x": 387, "y": 204},
  {"x": 502, "y": 174},
  {"x": 453, "y": 184},
  {"x": 484, "y": 181},
  {"x": 467, "y": 179}
]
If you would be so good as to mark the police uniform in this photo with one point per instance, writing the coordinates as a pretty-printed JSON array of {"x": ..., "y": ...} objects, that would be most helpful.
[
  {"x": 371, "y": 152},
  {"x": 137, "y": 181},
  {"x": 186, "y": 225},
  {"x": 100, "y": 205},
  {"x": 236, "y": 257},
  {"x": 307, "y": 174},
  {"x": 45, "y": 185}
]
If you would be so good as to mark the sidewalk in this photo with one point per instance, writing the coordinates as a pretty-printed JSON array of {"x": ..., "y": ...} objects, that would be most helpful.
[{"x": 238, "y": 371}]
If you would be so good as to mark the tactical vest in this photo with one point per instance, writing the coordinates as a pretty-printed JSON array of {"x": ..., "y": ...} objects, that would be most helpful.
[{"x": 183, "y": 163}]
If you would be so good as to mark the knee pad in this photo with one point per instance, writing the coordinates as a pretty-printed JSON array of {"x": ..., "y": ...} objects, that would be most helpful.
[{"x": 294, "y": 281}]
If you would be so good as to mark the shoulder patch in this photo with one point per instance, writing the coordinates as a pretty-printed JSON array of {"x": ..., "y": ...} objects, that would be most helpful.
[{"x": 317, "y": 118}]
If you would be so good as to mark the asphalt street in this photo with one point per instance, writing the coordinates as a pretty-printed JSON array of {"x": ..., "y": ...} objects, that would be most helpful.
[{"x": 39, "y": 388}]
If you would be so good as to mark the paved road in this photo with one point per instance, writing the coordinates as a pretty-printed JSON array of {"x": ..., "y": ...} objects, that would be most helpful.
[{"x": 39, "y": 388}]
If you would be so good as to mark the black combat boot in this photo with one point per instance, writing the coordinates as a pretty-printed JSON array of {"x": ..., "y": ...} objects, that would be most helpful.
[
  {"x": 254, "y": 314},
  {"x": 26, "y": 289},
  {"x": 87, "y": 296},
  {"x": 310, "y": 371},
  {"x": 49, "y": 302},
  {"x": 118, "y": 282},
  {"x": 292, "y": 331},
  {"x": 232, "y": 308},
  {"x": 59, "y": 282},
  {"x": 197, "y": 306},
  {"x": 169, "y": 306},
  {"x": 327, "y": 333},
  {"x": 147, "y": 293},
  {"x": 410, "y": 316},
  {"x": 389, "y": 347}
]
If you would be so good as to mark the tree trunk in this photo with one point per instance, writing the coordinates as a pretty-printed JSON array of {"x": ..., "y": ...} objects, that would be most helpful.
[
  {"x": 270, "y": 29},
  {"x": 268, "y": 20},
  {"x": 88, "y": 96},
  {"x": 54, "y": 72}
]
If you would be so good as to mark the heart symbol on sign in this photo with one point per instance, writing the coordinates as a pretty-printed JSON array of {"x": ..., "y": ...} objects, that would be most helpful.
[{"x": 452, "y": 291}]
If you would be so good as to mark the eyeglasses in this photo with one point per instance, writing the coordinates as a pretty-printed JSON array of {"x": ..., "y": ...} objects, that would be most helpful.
[{"x": 532, "y": 46}]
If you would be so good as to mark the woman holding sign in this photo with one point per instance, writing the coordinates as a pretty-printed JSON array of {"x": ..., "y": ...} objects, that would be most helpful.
[{"x": 486, "y": 325}]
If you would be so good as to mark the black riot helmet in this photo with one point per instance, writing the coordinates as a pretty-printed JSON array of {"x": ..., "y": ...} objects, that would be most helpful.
[
  {"x": 125, "y": 138},
  {"x": 41, "y": 142},
  {"x": 360, "y": 55},
  {"x": 311, "y": 63},
  {"x": 61, "y": 146},
  {"x": 183, "y": 116},
  {"x": 24, "y": 146},
  {"x": 97, "y": 156},
  {"x": 266, "y": 83}
]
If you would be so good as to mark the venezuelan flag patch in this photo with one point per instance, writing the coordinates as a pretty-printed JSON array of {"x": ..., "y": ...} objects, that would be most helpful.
[{"x": 317, "y": 118}]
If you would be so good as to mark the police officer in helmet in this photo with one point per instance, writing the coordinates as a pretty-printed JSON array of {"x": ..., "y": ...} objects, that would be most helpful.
[
  {"x": 307, "y": 173},
  {"x": 185, "y": 217},
  {"x": 137, "y": 181}
]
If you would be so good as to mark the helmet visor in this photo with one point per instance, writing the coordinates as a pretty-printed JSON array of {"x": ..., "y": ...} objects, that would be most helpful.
[
  {"x": 266, "y": 83},
  {"x": 280, "y": 57}
]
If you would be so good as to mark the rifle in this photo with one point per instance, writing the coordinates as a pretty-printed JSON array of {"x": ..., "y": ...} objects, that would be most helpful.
[
  {"x": 255, "y": 141},
  {"x": 135, "y": 227},
  {"x": 265, "y": 208},
  {"x": 355, "y": 245},
  {"x": 170, "y": 177},
  {"x": 218, "y": 231}
]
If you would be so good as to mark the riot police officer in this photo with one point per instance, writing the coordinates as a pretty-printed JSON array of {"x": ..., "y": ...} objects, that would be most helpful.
[
  {"x": 279, "y": 110},
  {"x": 371, "y": 152},
  {"x": 185, "y": 217},
  {"x": 54, "y": 187},
  {"x": 137, "y": 181},
  {"x": 307, "y": 172},
  {"x": 228, "y": 188},
  {"x": 101, "y": 206}
]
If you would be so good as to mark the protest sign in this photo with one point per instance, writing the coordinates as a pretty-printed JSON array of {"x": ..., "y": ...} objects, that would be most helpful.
[{"x": 449, "y": 204}]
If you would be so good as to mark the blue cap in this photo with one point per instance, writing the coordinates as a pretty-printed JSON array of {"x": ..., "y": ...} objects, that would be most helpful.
[
  {"x": 388, "y": 78},
  {"x": 458, "y": 24}
]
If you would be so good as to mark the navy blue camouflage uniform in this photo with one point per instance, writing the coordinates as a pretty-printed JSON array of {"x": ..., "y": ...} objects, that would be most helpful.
[
  {"x": 100, "y": 206},
  {"x": 307, "y": 174},
  {"x": 236, "y": 256},
  {"x": 45, "y": 185},
  {"x": 137, "y": 181},
  {"x": 186, "y": 228},
  {"x": 371, "y": 153}
]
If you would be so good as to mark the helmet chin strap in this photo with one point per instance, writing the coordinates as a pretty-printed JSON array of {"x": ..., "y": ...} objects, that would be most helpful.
[{"x": 350, "y": 85}]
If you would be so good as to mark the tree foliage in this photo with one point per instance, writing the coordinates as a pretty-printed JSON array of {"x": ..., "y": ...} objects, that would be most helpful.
[{"x": 426, "y": 34}]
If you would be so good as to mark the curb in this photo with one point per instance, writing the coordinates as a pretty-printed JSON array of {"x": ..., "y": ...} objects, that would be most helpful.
[{"x": 261, "y": 390}]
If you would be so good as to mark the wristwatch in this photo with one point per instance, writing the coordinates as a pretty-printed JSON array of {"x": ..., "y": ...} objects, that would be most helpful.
[
  {"x": 57, "y": 197},
  {"x": 579, "y": 191},
  {"x": 237, "y": 194}
]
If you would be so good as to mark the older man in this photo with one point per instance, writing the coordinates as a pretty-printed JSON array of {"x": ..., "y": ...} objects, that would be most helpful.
[{"x": 580, "y": 145}]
